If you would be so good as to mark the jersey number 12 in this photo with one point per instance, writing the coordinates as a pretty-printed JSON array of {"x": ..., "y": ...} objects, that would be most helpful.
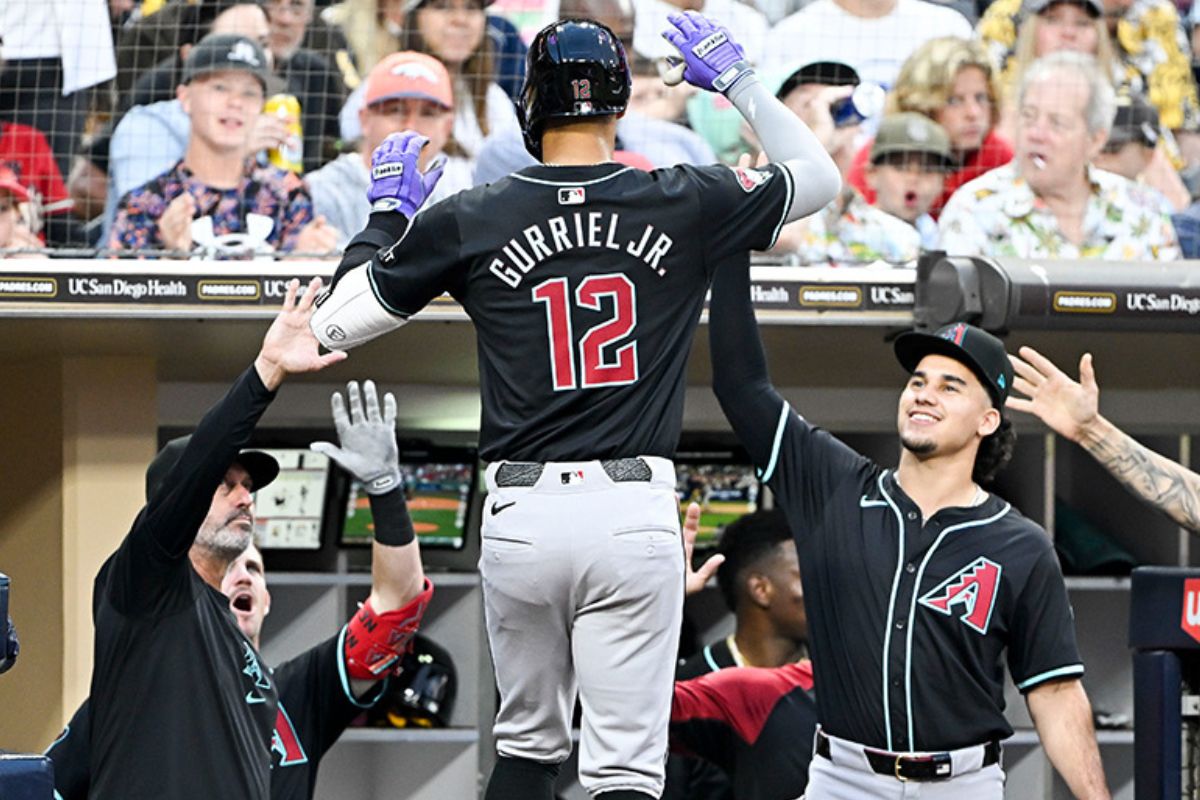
[{"x": 604, "y": 360}]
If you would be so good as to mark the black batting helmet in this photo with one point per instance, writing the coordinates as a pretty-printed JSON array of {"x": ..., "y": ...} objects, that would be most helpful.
[{"x": 575, "y": 68}]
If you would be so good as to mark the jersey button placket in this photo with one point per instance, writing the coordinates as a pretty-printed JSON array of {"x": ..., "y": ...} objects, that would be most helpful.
[{"x": 897, "y": 657}]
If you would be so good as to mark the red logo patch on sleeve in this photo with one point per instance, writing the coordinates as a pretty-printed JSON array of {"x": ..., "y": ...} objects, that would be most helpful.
[{"x": 750, "y": 179}]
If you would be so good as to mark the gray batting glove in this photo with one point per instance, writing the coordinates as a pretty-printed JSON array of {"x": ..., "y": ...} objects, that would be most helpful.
[{"x": 368, "y": 440}]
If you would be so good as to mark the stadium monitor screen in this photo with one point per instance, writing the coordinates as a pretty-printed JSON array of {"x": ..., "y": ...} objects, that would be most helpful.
[
  {"x": 439, "y": 491},
  {"x": 290, "y": 511},
  {"x": 725, "y": 489}
]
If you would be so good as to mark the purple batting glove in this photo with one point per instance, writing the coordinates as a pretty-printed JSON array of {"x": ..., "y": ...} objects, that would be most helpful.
[
  {"x": 714, "y": 62},
  {"x": 396, "y": 182}
]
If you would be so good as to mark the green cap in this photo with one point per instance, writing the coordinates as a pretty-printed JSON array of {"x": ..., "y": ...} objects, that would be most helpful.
[{"x": 909, "y": 132}]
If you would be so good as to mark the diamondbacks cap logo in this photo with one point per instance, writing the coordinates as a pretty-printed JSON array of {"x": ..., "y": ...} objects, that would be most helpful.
[
  {"x": 955, "y": 334},
  {"x": 750, "y": 179},
  {"x": 285, "y": 742},
  {"x": 1190, "y": 621},
  {"x": 572, "y": 196},
  {"x": 973, "y": 588}
]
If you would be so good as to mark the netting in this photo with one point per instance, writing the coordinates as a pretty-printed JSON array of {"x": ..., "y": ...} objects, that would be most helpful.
[{"x": 224, "y": 129}]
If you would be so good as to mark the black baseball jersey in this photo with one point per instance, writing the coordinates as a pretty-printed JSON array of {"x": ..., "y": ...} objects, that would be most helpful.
[
  {"x": 755, "y": 723},
  {"x": 910, "y": 620},
  {"x": 316, "y": 704},
  {"x": 690, "y": 777},
  {"x": 585, "y": 285},
  {"x": 181, "y": 705}
]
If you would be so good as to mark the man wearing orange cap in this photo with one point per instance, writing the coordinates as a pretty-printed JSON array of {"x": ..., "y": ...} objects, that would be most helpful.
[
  {"x": 14, "y": 232},
  {"x": 405, "y": 91}
]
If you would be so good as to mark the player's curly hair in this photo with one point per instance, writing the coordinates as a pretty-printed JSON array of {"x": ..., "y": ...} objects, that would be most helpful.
[
  {"x": 745, "y": 543},
  {"x": 995, "y": 452}
]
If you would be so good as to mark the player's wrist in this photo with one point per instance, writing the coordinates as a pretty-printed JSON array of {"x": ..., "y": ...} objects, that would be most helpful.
[
  {"x": 735, "y": 77},
  {"x": 1094, "y": 432},
  {"x": 270, "y": 371}
]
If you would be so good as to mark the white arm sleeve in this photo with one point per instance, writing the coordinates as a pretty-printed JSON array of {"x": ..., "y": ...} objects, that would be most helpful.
[
  {"x": 351, "y": 314},
  {"x": 789, "y": 142}
]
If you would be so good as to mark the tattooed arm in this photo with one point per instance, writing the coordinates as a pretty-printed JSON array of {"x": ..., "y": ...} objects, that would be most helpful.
[{"x": 1073, "y": 410}]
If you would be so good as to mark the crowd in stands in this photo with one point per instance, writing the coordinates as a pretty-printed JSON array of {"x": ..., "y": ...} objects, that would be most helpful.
[{"x": 244, "y": 128}]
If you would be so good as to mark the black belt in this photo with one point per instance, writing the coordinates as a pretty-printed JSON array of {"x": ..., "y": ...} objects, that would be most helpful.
[
  {"x": 924, "y": 767},
  {"x": 527, "y": 473}
]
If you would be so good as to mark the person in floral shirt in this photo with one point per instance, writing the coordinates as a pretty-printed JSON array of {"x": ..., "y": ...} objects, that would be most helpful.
[
  {"x": 1156, "y": 59},
  {"x": 218, "y": 197},
  {"x": 1050, "y": 201}
]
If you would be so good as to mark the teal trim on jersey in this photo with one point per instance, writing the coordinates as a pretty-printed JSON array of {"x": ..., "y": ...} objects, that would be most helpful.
[
  {"x": 66, "y": 732},
  {"x": 592, "y": 182},
  {"x": 1074, "y": 669},
  {"x": 863, "y": 502},
  {"x": 57, "y": 796},
  {"x": 345, "y": 679},
  {"x": 787, "y": 204},
  {"x": 887, "y": 636},
  {"x": 766, "y": 474},
  {"x": 912, "y": 609},
  {"x": 375, "y": 290},
  {"x": 708, "y": 659}
]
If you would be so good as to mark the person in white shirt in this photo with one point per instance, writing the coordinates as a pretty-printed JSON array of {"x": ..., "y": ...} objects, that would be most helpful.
[
  {"x": 747, "y": 24},
  {"x": 873, "y": 36},
  {"x": 405, "y": 91}
]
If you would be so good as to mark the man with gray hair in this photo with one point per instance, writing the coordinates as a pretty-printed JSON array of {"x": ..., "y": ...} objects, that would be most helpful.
[{"x": 1049, "y": 201}]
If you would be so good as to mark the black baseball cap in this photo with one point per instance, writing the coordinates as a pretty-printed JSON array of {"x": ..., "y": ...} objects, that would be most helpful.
[
  {"x": 1135, "y": 121},
  {"x": 221, "y": 52},
  {"x": 826, "y": 73},
  {"x": 262, "y": 468},
  {"x": 1094, "y": 8},
  {"x": 975, "y": 347}
]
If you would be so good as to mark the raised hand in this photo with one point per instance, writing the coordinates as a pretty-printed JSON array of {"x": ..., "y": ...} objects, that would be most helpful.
[
  {"x": 175, "y": 224},
  {"x": 397, "y": 183},
  {"x": 694, "y": 580},
  {"x": 368, "y": 438},
  {"x": 1064, "y": 405},
  {"x": 711, "y": 59},
  {"x": 289, "y": 346}
]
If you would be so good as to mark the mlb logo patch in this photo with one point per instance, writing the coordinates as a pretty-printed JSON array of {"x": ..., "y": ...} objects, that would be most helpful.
[
  {"x": 750, "y": 179},
  {"x": 571, "y": 196},
  {"x": 574, "y": 476}
]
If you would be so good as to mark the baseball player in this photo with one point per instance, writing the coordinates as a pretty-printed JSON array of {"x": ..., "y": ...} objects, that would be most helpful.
[
  {"x": 1073, "y": 411},
  {"x": 585, "y": 280},
  {"x": 917, "y": 581},
  {"x": 318, "y": 695}
]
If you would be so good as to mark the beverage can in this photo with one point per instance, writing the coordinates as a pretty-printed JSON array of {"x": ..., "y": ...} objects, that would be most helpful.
[
  {"x": 290, "y": 153},
  {"x": 864, "y": 102}
]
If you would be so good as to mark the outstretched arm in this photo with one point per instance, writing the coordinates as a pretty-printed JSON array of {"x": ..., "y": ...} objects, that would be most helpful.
[
  {"x": 1063, "y": 718},
  {"x": 399, "y": 590},
  {"x": 1072, "y": 409},
  {"x": 714, "y": 62}
]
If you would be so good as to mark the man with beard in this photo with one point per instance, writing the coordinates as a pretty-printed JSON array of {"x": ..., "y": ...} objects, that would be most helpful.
[{"x": 319, "y": 694}]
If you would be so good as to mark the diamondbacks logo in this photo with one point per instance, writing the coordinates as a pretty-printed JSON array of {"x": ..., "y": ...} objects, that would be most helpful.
[
  {"x": 974, "y": 588},
  {"x": 285, "y": 742},
  {"x": 750, "y": 179}
]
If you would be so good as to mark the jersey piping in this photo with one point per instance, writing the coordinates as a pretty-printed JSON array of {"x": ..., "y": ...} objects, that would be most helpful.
[
  {"x": 345, "y": 679},
  {"x": 887, "y": 636},
  {"x": 783, "y": 418},
  {"x": 912, "y": 609},
  {"x": 787, "y": 205},
  {"x": 1073, "y": 669},
  {"x": 592, "y": 182}
]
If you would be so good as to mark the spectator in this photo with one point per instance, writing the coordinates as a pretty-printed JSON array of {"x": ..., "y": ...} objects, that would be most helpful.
[
  {"x": 1132, "y": 140},
  {"x": 26, "y": 153},
  {"x": 372, "y": 27},
  {"x": 950, "y": 81},
  {"x": 14, "y": 229},
  {"x": 405, "y": 91},
  {"x": 302, "y": 73},
  {"x": 1050, "y": 201},
  {"x": 909, "y": 159},
  {"x": 1048, "y": 26},
  {"x": 510, "y": 51},
  {"x": 744, "y": 21},
  {"x": 295, "y": 26},
  {"x": 453, "y": 31},
  {"x": 53, "y": 51},
  {"x": 1151, "y": 48},
  {"x": 873, "y": 36},
  {"x": 224, "y": 81},
  {"x": 848, "y": 231}
]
